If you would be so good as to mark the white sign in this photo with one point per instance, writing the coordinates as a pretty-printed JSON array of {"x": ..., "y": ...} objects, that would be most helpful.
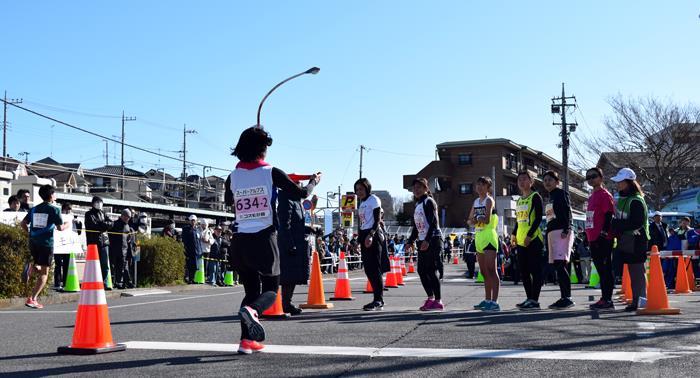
[
  {"x": 12, "y": 218},
  {"x": 66, "y": 242}
]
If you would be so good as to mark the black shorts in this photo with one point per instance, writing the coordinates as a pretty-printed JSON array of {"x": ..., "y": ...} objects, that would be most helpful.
[
  {"x": 256, "y": 252},
  {"x": 41, "y": 255}
]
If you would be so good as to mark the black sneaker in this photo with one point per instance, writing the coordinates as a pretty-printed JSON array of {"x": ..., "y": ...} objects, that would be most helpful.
[
  {"x": 249, "y": 318},
  {"x": 374, "y": 306},
  {"x": 602, "y": 305},
  {"x": 292, "y": 310},
  {"x": 562, "y": 304},
  {"x": 631, "y": 308},
  {"x": 530, "y": 306},
  {"x": 520, "y": 305}
]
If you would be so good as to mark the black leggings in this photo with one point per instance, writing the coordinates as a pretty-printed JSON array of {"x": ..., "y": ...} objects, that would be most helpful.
[
  {"x": 427, "y": 267},
  {"x": 260, "y": 293},
  {"x": 372, "y": 262},
  {"x": 530, "y": 264},
  {"x": 562, "y": 268},
  {"x": 601, "y": 251}
]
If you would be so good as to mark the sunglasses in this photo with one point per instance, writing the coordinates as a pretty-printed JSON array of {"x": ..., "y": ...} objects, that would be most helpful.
[{"x": 591, "y": 177}]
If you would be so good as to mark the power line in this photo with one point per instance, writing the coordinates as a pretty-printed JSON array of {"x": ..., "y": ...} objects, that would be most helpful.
[{"x": 105, "y": 137}]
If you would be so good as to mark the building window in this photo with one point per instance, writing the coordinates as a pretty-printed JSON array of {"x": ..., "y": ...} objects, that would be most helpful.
[
  {"x": 513, "y": 189},
  {"x": 511, "y": 162},
  {"x": 464, "y": 159},
  {"x": 465, "y": 188},
  {"x": 5, "y": 191},
  {"x": 529, "y": 162}
]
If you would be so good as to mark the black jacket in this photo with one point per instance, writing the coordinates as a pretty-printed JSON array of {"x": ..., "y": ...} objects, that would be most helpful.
[
  {"x": 291, "y": 239},
  {"x": 562, "y": 210},
  {"x": 96, "y": 226},
  {"x": 658, "y": 238},
  {"x": 120, "y": 238}
]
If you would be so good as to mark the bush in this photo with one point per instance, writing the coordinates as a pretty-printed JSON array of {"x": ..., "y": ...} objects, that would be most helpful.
[
  {"x": 14, "y": 253},
  {"x": 162, "y": 262}
]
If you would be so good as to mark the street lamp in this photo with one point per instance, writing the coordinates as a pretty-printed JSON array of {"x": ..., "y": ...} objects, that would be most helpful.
[{"x": 312, "y": 71}]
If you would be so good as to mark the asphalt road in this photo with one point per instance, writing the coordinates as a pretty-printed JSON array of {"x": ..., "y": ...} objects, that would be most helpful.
[{"x": 399, "y": 341}]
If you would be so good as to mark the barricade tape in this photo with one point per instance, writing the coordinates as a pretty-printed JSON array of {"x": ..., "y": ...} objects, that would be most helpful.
[{"x": 688, "y": 252}]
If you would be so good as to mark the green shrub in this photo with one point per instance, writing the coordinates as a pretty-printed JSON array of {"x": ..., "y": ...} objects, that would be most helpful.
[
  {"x": 162, "y": 262},
  {"x": 14, "y": 253}
]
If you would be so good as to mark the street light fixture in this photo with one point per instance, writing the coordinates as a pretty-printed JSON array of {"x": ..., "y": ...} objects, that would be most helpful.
[{"x": 312, "y": 71}]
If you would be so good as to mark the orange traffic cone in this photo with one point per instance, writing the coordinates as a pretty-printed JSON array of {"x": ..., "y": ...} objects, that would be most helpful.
[
  {"x": 391, "y": 279},
  {"x": 276, "y": 311},
  {"x": 342, "y": 282},
  {"x": 368, "y": 288},
  {"x": 455, "y": 260},
  {"x": 316, "y": 298},
  {"x": 404, "y": 270},
  {"x": 657, "y": 300},
  {"x": 399, "y": 276},
  {"x": 691, "y": 275},
  {"x": 682, "y": 286},
  {"x": 92, "y": 333},
  {"x": 411, "y": 266},
  {"x": 626, "y": 293}
]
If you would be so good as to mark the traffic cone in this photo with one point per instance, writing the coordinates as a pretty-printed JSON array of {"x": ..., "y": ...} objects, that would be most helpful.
[
  {"x": 455, "y": 260},
  {"x": 109, "y": 284},
  {"x": 411, "y": 266},
  {"x": 72, "y": 282},
  {"x": 391, "y": 279},
  {"x": 404, "y": 270},
  {"x": 594, "y": 281},
  {"x": 399, "y": 276},
  {"x": 316, "y": 298},
  {"x": 657, "y": 299},
  {"x": 368, "y": 288},
  {"x": 228, "y": 278},
  {"x": 626, "y": 294},
  {"x": 199, "y": 274},
  {"x": 92, "y": 333},
  {"x": 275, "y": 311},
  {"x": 479, "y": 278},
  {"x": 342, "y": 282},
  {"x": 691, "y": 275},
  {"x": 682, "y": 286},
  {"x": 573, "y": 278}
]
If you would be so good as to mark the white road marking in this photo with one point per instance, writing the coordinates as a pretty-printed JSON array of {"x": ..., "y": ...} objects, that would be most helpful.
[
  {"x": 141, "y": 293},
  {"x": 646, "y": 356},
  {"x": 173, "y": 300},
  {"x": 37, "y": 312}
]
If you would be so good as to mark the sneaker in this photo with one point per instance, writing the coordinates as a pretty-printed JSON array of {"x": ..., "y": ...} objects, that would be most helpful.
[
  {"x": 249, "y": 318},
  {"x": 33, "y": 304},
  {"x": 562, "y": 304},
  {"x": 437, "y": 306},
  {"x": 481, "y": 305},
  {"x": 374, "y": 306},
  {"x": 631, "y": 308},
  {"x": 249, "y": 346},
  {"x": 491, "y": 307},
  {"x": 603, "y": 305},
  {"x": 213, "y": 284},
  {"x": 292, "y": 310},
  {"x": 597, "y": 305},
  {"x": 530, "y": 306},
  {"x": 427, "y": 305},
  {"x": 520, "y": 305}
]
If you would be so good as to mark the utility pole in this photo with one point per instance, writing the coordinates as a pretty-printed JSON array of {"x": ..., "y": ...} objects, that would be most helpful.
[
  {"x": 184, "y": 159},
  {"x": 362, "y": 149},
  {"x": 26, "y": 157},
  {"x": 106, "y": 151},
  {"x": 559, "y": 106},
  {"x": 5, "y": 101},
  {"x": 124, "y": 120}
]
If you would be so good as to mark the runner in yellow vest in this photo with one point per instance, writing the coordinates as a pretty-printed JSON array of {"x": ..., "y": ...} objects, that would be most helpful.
[{"x": 484, "y": 219}]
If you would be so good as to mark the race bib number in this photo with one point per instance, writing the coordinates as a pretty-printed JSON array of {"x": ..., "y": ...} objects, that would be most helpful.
[
  {"x": 549, "y": 212},
  {"x": 422, "y": 227},
  {"x": 479, "y": 212},
  {"x": 522, "y": 213},
  {"x": 40, "y": 220},
  {"x": 590, "y": 215},
  {"x": 252, "y": 203}
]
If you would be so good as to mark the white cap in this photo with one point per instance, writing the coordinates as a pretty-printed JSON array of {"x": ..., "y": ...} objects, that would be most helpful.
[
  {"x": 203, "y": 221},
  {"x": 624, "y": 174},
  {"x": 657, "y": 213},
  {"x": 192, "y": 217}
]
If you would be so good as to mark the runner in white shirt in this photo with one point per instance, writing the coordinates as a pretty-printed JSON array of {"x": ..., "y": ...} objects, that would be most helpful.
[{"x": 369, "y": 238}]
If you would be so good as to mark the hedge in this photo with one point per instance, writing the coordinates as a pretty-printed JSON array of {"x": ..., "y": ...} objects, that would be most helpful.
[
  {"x": 14, "y": 253},
  {"x": 162, "y": 262}
]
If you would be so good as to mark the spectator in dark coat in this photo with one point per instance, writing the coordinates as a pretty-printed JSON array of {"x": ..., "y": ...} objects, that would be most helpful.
[
  {"x": 293, "y": 247},
  {"x": 96, "y": 226},
  {"x": 121, "y": 243},
  {"x": 191, "y": 234}
]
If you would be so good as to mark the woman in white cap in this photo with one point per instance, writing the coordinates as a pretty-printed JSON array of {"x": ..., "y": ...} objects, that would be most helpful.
[{"x": 632, "y": 230}]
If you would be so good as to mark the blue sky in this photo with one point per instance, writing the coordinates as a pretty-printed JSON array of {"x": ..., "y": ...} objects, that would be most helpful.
[{"x": 396, "y": 76}]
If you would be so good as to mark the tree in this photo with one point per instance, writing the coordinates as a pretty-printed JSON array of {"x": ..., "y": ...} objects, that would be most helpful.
[
  {"x": 402, "y": 218},
  {"x": 657, "y": 139}
]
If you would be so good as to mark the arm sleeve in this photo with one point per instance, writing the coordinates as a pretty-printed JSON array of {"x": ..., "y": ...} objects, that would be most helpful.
[
  {"x": 414, "y": 231},
  {"x": 431, "y": 215},
  {"x": 228, "y": 194},
  {"x": 377, "y": 218},
  {"x": 282, "y": 181},
  {"x": 537, "y": 208},
  {"x": 562, "y": 209},
  {"x": 515, "y": 229},
  {"x": 57, "y": 220},
  {"x": 635, "y": 221}
]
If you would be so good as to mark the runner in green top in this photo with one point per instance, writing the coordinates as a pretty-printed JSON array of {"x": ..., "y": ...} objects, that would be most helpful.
[
  {"x": 484, "y": 219},
  {"x": 40, "y": 222}
]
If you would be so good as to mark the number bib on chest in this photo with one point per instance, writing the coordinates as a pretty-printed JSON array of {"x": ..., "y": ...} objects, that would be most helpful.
[
  {"x": 549, "y": 212},
  {"x": 252, "y": 203},
  {"x": 522, "y": 213},
  {"x": 590, "y": 215}
]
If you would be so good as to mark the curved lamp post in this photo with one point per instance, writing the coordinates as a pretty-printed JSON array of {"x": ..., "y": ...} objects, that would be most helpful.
[{"x": 312, "y": 71}]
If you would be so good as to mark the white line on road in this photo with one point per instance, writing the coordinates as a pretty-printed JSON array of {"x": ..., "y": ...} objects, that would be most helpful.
[
  {"x": 646, "y": 356},
  {"x": 174, "y": 300},
  {"x": 37, "y": 312}
]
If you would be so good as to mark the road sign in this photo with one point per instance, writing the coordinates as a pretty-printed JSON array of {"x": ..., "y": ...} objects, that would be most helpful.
[
  {"x": 348, "y": 202},
  {"x": 347, "y": 217},
  {"x": 307, "y": 205}
]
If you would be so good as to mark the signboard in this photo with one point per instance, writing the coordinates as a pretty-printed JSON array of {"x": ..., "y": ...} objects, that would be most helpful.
[
  {"x": 328, "y": 221},
  {"x": 347, "y": 219},
  {"x": 348, "y": 202},
  {"x": 12, "y": 218},
  {"x": 66, "y": 242},
  {"x": 307, "y": 217},
  {"x": 307, "y": 205}
]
